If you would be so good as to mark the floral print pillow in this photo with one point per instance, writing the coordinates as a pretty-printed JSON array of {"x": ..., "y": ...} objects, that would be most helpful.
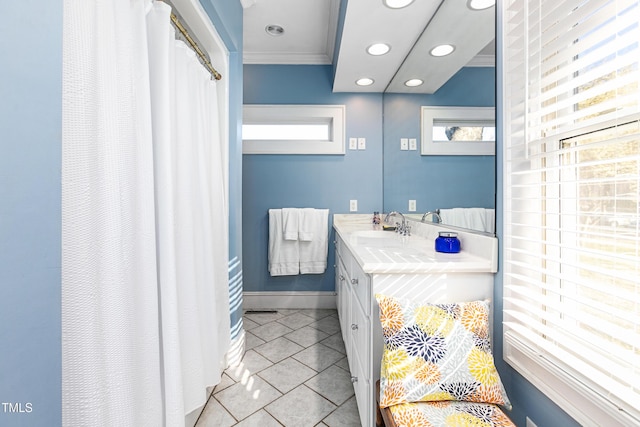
[{"x": 437, "y": 352}]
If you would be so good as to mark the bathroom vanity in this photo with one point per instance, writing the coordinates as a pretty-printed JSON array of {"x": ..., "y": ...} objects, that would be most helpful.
[{"x": 370, "y": 260}]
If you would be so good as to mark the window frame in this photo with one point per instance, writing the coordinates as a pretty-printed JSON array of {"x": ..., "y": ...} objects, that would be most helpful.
[
  {"x": 296, "y": 114},
  {"x": 466, "y": 116},
  {"x": 562, "y": 384}
]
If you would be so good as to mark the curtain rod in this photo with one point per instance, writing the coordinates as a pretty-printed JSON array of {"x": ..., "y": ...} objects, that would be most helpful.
[{"x": 205, "y": 61}]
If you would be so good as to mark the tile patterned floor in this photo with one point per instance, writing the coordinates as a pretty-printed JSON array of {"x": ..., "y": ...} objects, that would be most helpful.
[{"x": 294, "y": 374}]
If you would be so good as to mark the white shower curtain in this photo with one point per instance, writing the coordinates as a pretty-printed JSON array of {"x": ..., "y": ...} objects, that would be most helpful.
[{"x": 145, "y": 306}]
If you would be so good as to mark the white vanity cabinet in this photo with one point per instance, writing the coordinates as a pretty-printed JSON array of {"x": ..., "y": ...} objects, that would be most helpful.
[
  {"x": 353, "y": 289},
  {"x": 363, "y": 269}
]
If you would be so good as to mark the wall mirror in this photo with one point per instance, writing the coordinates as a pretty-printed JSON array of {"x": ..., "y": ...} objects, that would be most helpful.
[{"x": 445, "y": 181}]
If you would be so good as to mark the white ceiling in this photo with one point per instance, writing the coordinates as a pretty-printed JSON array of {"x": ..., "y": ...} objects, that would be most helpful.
[
  {"x": 310, "y": 28},
  {"x": 309, "y": 36}
]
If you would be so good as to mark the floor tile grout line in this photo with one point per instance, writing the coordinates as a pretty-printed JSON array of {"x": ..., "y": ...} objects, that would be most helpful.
[
  {"x": 293, "y": 354},
  {"x": 226, "y": 409},
  {"x": 313, "y": 391},
  {"x": 304, "y": 382},
  {"x": 237, "y": 421},
  {"x": 337, "y": 408},
  {"x": 292, "y": 330}
]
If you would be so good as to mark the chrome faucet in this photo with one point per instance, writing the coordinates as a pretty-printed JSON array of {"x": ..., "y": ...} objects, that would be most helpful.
[
  {"x": 400, "y": 228},
  {"x": 393, "y": 213},
  {"x": 435, "y": 214}
]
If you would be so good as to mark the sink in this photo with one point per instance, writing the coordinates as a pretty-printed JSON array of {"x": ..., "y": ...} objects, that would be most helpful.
[
  {"x": 387, "y": 246},
  {"x": 376, "y": 234},
  {"x": 377, "y": 239}
]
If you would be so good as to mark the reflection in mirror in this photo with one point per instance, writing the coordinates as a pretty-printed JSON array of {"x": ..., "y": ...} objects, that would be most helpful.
[
  {"x": 468, "y": 132},
  {"x": 458, "y": 131},
  {"x": 476, "y": 219},
  {"x": 487, "y": 229},
  {"x": 413, "y": 183},
  {"x": 438, "y": 183}
]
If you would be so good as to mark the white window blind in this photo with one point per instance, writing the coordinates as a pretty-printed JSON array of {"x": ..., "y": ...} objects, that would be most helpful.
[{"x": 571, "y": 182}]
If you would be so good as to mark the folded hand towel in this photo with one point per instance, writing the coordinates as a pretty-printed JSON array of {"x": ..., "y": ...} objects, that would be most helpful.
[
  {"x": 308, "y": 224},
  {"x": 290, "y": 223},
  {"x": 476, "y": 219},
  {"x": 452, "y": 216},
  {"x": 284, "y": 256},
  {"x": 313, "y": 253}
]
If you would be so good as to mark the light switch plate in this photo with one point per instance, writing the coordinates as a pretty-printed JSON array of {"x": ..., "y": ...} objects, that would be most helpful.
[
  {"x": 353, "y": 206},
  {"x": 404, "y": 144},
  {"x": 412, "y": 205},
  {"x": 413, "y": 144},
  {"x": 362, "y": 143},
  {"x": 353, "y": 143}
]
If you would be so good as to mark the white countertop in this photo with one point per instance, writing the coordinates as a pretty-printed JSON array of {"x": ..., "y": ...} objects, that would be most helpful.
[{"x": 386, "y": 252}]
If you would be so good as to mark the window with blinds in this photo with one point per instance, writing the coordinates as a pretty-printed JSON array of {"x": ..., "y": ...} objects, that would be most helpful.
[{"x": 571, "y": 203}]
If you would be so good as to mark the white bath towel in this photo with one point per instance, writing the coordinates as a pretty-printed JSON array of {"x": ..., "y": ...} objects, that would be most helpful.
[
  {"x": 290, "y": 223},
  {"x": 284, "y": 255},
  {"x": 476, "y": 219},
  {"x": 471, "y": 218},
  {"x": 491, "y": 220},
  {"x": 313, "y": 253},
  {"x": 452, "y": 216}
]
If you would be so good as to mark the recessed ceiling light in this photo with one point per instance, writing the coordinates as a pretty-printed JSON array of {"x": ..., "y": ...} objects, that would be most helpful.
[
  {"x": 274, "y": 30},
  {"x": 413, "y": 82},
  {"x": 480, "y": 4},
  {"x": 378, "y": 49},
  {"x": 365, "y": 81},
  {"x": 442, "y": 50},
  {"x": 397, "y": 4}
]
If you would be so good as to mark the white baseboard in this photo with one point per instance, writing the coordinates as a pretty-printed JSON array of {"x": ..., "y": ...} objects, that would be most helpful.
[{"x": 274, "y": 300}]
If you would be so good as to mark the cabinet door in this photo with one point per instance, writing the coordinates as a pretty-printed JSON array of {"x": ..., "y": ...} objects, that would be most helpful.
[
  {"x": 361, "y": 287},
  {"x": 360, "y": 359},
  {"x": 362, "y": 389},
  {"x": 361, "y": 336},
  {"x": 343, "y": 302}
]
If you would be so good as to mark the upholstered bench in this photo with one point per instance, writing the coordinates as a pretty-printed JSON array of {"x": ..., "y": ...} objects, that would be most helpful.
[
  {"x": 437, "y": 368},
  {"x": 440, "y": 414}
]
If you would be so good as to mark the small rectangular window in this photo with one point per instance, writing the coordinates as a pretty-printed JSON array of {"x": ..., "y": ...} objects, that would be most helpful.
[
  {"x": 286, "y": 132},
  {"x": 293, "y": 129},
  {"x": 458, "y": 131},
  {"x": 466, "y": 131}
]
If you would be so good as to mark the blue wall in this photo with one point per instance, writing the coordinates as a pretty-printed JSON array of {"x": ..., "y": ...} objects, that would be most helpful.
[
  {"x": 30, "y": 190},
  {"x": 437, "y": 181},
  {"x": 30, "y": 203},
  {"x": 320, "y": 181},
  {"x": 226, "y": 17}
]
